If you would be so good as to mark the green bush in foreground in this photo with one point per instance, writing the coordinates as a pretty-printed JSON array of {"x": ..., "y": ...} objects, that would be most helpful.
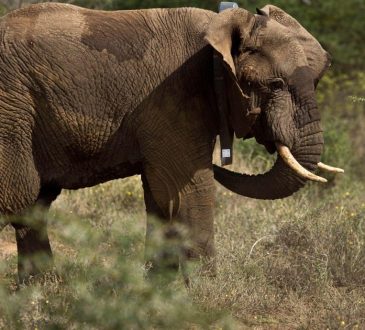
[{"x": 100, "y": 284}]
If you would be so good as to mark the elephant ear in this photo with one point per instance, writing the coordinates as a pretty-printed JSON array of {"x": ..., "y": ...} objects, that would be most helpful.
[
  {"x": 225, "y": 33},
  {"x": 318, "y": 59}
]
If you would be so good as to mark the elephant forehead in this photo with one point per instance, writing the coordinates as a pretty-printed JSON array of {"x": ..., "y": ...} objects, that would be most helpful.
[{"x": 283, "y": 47}]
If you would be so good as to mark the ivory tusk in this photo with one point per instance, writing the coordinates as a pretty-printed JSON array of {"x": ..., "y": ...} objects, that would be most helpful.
[
  {"x": 328, "y": 168},
  {"x": 289, "y": 159}
]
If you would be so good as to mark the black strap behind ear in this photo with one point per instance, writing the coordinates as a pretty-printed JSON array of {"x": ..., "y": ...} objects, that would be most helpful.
[{"x": 225, "y": 134}]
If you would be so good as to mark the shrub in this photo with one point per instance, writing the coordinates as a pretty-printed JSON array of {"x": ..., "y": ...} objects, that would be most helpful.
[{"x": 100, "y": 283}]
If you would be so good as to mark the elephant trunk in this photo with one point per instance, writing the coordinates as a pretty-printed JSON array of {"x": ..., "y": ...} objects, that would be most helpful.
[{"x": 281, "y": 181}]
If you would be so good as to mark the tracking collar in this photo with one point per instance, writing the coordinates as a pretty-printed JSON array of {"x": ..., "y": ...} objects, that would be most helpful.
[
  {"x": 225, "y": 133},
  {"x": 227, "y": 5}
]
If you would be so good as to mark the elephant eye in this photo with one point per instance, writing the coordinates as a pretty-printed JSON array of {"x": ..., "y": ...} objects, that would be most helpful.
[
  {"x": 250, "y": 50},
  {"x": 276, "y": 84}
]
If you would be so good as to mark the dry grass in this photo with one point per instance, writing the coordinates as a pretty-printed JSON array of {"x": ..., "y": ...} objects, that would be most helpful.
[{"x": 291, "y": 264}]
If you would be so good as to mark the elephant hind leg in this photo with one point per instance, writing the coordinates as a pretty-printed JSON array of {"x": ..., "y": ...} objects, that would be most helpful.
[
  {"x": 20, "y": 181},
  {"x": 34, "y": 249}
]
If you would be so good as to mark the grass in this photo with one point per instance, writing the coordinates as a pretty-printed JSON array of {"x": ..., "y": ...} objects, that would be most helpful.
[
  {"x": 290, "y": 263},
  {"x": 297, "y": 263}
]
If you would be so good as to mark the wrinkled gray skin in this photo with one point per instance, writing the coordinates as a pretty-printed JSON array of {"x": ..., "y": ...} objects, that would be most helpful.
[{"x": 90, "y": 96}]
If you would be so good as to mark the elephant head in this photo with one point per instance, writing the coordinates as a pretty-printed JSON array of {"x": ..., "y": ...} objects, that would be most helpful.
[{"x": 274, "y": 65}]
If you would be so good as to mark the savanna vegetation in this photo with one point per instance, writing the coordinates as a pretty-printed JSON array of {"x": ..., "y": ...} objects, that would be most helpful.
[{"x": 297, "y": 263}]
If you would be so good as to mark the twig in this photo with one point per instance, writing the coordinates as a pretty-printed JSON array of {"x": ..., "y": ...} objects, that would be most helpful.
[{"x": 258, "y": 241}]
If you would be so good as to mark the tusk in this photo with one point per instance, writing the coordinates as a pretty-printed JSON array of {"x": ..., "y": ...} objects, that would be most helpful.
[
  {"x": 328, "y": 168},
  {"x": 289, "y": 159}
]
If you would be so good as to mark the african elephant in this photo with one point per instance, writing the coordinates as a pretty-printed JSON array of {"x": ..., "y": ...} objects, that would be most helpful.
[{"x": 89, "y": 96}]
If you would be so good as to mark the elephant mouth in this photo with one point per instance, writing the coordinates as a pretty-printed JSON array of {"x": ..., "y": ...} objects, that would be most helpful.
[
  {"x": 290, "y": 160},
  {"x": 302, "y": 172},
  {"x": 270, "y": 147}
]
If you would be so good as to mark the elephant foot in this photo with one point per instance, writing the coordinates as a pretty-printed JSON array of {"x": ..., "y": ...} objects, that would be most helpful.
[
  {"x": 197, "y": 267},
  {"x": 163, "y": 266},
  {"x": 39, "y": 276},
  {"x": 195, "y": 264},
  {"x": 37, "y": 268},
  {"x": 208, "y": 267},
  {"x": 34, "y": 253},
  {"x": 163, "y": 252}
]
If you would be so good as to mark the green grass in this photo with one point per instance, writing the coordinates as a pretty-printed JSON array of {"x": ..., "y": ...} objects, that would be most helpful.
[{"x": 297, "y": 263}]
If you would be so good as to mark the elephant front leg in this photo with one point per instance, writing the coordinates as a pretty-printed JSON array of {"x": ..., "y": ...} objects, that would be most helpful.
[
  {"x": 196, "y": 212},
  {"x": 161, "y": 250},
  {"x": 187, "y": 225}
]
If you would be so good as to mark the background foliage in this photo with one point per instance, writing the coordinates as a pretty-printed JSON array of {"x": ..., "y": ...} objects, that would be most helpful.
[{"x": 296, "y": 263}]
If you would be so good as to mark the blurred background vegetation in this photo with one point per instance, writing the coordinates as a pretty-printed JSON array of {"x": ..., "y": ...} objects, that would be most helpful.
[{"x": 296, "y": 263}]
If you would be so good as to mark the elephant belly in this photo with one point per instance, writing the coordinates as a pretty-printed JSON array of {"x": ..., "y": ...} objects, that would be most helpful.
[
  {"x": 96, "y": 177},
  {"x": 88, "y": 175},
  {"x": 71, "y": 167}
]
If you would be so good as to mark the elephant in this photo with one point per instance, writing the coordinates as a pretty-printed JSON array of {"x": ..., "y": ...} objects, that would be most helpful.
[{"x": 88, "y": 96}]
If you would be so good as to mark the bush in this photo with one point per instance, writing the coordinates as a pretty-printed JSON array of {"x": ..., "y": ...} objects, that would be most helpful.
[{"x": 100, "y": 284}]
